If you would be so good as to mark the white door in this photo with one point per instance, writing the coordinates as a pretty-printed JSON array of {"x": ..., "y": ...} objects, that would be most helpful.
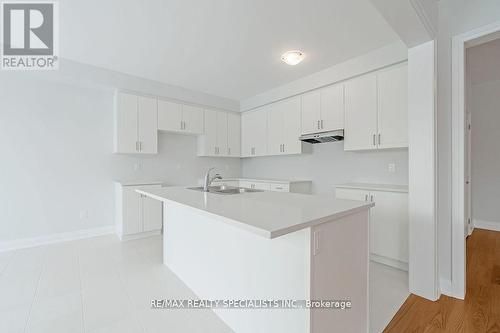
[
  {"x": 147, "y": 131},
  {"x": 311, "y": 115},
  {"x": 193, "y": 119},
  {"x": 169, "y": 116},
  {"x": 152, "y": 214},
  {"x": 393, "y": 107},
  {"x": 275, "y": 128},
  {"x": 132, "y": 212},
  {"x": 389, "y": 225},
  {"x": 332, "y": 108},
  {"x": 361, "y": 113},
  {"x": 233, "y": 134},
  {"x": 292, "y": 126},
  {"x": 209, "y": 142},
  {"x": 126, "y": 124},
  {"x": 221, "y": 133}
]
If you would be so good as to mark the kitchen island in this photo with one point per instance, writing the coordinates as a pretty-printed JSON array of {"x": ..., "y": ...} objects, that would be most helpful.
[{"x": 270, "y": 246}]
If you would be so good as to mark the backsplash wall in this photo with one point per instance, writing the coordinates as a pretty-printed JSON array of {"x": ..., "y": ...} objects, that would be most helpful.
[{"x": 328, "y": 164}]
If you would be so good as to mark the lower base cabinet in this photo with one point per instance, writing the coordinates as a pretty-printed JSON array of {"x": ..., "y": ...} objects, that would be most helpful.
[
  {"x": 137, "y": 216},
  {"x": 388, "y": 224}
]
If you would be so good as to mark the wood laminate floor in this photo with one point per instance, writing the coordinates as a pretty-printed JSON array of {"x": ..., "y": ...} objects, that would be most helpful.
[{"x": 479, "y": 312}]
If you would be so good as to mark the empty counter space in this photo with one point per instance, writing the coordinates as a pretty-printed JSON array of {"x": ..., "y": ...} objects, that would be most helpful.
[
  {"x": 270, "y": 245},
  {"x": 388, "y": 219},
  {"x": 277, "y": 185}
]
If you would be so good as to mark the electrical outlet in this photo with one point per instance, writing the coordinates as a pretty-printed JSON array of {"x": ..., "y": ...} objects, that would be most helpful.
[{"x": 391, "y": 167}]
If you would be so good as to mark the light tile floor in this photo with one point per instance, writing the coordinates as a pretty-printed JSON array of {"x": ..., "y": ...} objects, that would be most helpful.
[{"x": 104, "y": 285}]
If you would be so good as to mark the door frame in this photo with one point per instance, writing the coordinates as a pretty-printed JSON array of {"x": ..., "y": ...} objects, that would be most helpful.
[{"x": 459, "y": 45}]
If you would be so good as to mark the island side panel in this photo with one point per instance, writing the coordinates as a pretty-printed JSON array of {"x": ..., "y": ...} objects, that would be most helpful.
[
  {"x": 220, "y": 261},
  {"x": 340, "y": 270}
]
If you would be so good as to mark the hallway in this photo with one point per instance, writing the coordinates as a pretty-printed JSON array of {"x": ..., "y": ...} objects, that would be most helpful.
[{"x": 480, "y": 312}]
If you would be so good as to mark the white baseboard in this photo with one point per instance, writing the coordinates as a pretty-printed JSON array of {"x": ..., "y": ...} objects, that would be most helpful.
[
  {"x": 445, "y": 287},
  {"x": 55, "y": 238},
  {"x": 488, "y": 225},
  {"x": 389, "y": 262},
  {"x": 125, "y": 238}
]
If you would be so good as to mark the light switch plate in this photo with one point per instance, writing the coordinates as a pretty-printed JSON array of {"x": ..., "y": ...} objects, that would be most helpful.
[{"x": 391, "y": 167}]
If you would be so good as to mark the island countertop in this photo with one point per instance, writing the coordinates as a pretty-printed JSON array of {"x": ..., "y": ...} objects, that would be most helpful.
[{"x": 269, "y": 214}]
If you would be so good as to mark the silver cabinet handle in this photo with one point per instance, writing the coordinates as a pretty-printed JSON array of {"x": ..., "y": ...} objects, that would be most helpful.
[
  {"x": 371, "y": 198},
  {"x": 379, "y": 139},
  {"x": 318, "y": 124},
  {"x": 229, "y": 151},
  {"x": 140, "y": 145},
  {"x": 374, "y": 143},
  {"x": 321, "y": 123},
  {"x": 366, "y": 197}
]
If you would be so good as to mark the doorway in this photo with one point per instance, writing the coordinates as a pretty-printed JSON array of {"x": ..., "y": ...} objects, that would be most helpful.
[{"x": 471, "y": 52}]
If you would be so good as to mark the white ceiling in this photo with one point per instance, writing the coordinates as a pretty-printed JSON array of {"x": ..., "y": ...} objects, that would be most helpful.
[
  {"x": 228, "y": 48},
  {"x": 484, "y": 62}
]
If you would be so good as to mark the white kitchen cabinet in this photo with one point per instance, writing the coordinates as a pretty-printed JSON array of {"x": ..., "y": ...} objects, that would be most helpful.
[
  {"x": 392, "y": 107},
  {"x": 284, "y": 127},
  {"x": 221, "y": 135},
  {"x": 376, "y": 110},
  {"x": 388, "y": 222},
  {"x": 233, "y": 134},
  {"x": 177, "y": 117},
  {"x": 254, "y": 133},
  {"x": 360, "y": 131},
  {"x": 323, "y": 110},
  {"x": 295, "y": 186},
  {"x": 136, "y": 124},
  {"x": 137, "y": 215}
]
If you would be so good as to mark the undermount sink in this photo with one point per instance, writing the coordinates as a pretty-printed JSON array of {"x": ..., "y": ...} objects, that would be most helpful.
[{"x": 223, "y": 189}]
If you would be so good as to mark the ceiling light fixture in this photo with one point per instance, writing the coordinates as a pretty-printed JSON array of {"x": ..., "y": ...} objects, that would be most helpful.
[{"x": 293, "y": 57}]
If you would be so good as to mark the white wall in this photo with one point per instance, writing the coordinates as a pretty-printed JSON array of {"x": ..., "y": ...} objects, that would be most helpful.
[
  {"x": 485, "y": 152},
  {"x": 329, "y": 164},
  {"x": 56, "y": 142},
  {"x": 455, "y": 17}
]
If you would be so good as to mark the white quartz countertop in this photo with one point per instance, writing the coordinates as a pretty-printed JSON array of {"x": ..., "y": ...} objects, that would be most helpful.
[
  {"x": 269, "y": 214},
  {"x": 139, "y": 182},
  {"x": 375, "y": 187},
  {"x": 260, "y": 180}
]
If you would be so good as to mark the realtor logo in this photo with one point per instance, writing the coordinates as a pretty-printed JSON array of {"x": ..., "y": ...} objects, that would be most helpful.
[{"x": 29, "y": 36}]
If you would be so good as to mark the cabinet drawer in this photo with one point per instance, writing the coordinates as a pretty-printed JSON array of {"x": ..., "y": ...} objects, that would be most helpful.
[
  {"x": 256, "y": 185},
  {"x": 280, "y": 187}
]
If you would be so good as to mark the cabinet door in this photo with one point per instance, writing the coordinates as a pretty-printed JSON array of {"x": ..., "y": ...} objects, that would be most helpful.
[
  {"x": 247, "y": 124},
  {"x": 275, "y": 137},
  {"x": 147, "y": 125},
  {"x": 332, "y": 108},
  {"x": 132, "y": 212},
  {"x": 290, "y": 109},
  {"x": 352, "y": 194},
  {"x": 393, "y": 107},
  {"x": 209, "y": 140},
  {"x": 260, "y": 132},
  {"x": 221, "y": 133},
  {"x": 361, "y": 113},
  {"x": 233, "y": 134},
  {"x": 152, "y": 214},
  {"x": 126, "y": 124},
  {"x": 311, "y": 116},
  {"x": 193, "y": 119},
  {"x": 169, "y": 116},
  {"x": 389, "y": 225}
]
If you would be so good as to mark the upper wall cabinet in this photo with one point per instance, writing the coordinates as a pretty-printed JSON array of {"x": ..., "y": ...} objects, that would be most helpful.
[
  {"x": 254, "y": 133},
  {"x": 376, "y": 110},
  {"x": 181, "y": 118},
  {"x": 284, "y": 127},
  {"x": 136, "y": 124},
  {"x": 323, "y": 110},
  {"x": 221, "y": 134}
]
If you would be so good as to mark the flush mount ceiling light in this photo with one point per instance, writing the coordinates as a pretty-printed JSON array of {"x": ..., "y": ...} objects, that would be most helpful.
[{"x": 293, "y": 57}]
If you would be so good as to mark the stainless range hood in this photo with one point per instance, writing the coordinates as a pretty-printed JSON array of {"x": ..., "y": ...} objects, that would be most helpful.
[{"x": 331, "y": 136}]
